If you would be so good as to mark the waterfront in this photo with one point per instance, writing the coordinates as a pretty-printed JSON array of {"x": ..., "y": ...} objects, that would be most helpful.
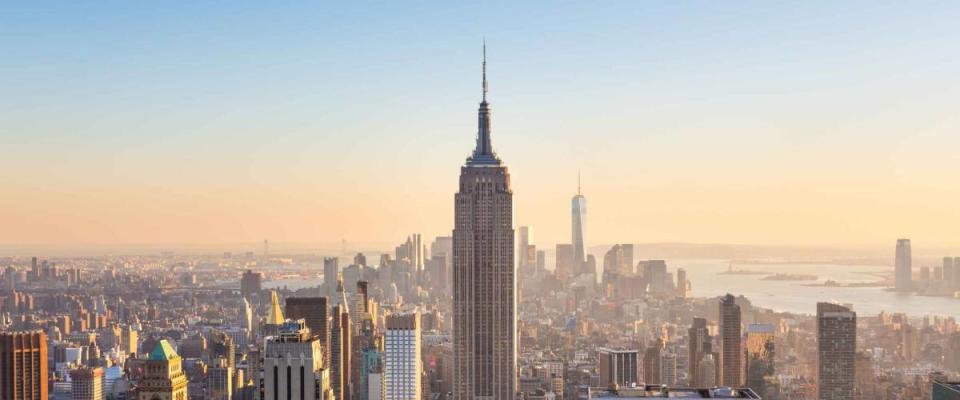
[
  {"x": 799, "y": 297},
  {"x": 791, "y": 296}
]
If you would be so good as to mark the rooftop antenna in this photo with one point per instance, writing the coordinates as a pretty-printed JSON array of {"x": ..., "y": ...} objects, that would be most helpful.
[
  {"x": 484, "y": 69},
  {"x": 578, "y": 181}
]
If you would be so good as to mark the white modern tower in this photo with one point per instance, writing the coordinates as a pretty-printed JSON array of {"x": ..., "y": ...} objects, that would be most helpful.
[
  {"x": 578, "y": 225},
  {"x": 402, "y": 364}
]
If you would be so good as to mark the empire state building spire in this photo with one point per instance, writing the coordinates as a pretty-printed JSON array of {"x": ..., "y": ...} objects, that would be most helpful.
[
  {"x": 483, "y": 154},
  {"x": 484, "y": 278},
  {"x": 484, "y": 71}
]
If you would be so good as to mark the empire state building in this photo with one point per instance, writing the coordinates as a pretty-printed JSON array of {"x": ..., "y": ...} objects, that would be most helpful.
[{"x": 484, "y": 279}]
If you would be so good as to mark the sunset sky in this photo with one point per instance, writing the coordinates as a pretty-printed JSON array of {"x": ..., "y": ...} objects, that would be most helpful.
[{"x": 811, "y": 123}]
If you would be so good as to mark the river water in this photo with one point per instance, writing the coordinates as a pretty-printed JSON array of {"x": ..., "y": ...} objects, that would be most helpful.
[
  {"x": 790, "y": 296},
  {"x": 794, "y": 297}
]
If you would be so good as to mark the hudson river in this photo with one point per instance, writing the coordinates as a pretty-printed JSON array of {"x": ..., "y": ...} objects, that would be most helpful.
[{"x": 790, "y": 296}]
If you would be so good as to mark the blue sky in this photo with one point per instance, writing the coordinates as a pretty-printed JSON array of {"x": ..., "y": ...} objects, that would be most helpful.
[{"x": 368, "y": 109}]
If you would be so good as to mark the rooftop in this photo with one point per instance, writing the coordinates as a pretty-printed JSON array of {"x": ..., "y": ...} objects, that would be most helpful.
[
  {"x": 275, "y": 317},
  {"x": 162, "y": 351}
]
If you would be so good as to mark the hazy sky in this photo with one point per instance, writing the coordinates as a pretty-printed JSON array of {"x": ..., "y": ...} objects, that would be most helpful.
[{"x": 721, "y": 122}]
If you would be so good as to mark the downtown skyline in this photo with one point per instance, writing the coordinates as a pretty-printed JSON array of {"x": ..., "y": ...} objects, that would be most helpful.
[
  {"x": 753, "y": 175},
  {"x": 155, "y": 149}
]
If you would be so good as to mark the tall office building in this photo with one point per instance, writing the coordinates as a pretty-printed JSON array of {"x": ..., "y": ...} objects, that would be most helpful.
[
  {"x": 708, "y": 371},
  {"x": 129, "y": 339},
  {"x": 314, "y": 311},
  {"x": 621, "y": 367},
  {"x": 367, "y": 350},
  {"x": 653, "y": 362},
  {"x": 578, "y": 225},
  {"x": 331, "y": 273},
  {"x": 948, "y": 271},
  {"x": 293, "y": 365},
  {"x": 442, "y": 245},
  {"x": 163, "y": 375},
  {"x": 86, "y": 384},
  {"x": 402, "y": 364},
  {"x": 566, "y": 265},
  {"x": 221, "y": 346},
  {"x": 655, "y": 273},
  {"x": 363, "y": 300},
  {"x": 417, "y": 252},
  {"x": 836, "y": 350},
  {"x": 956, "y": 272},
  {"x": 484, "y": 279},
  {"x": 441, "y": 251},
  {"x": 616, "y": 263},
  {"x": 525, "y": 262},
  {"x": 668, "y": 369},
  {"x": 903, "y": 265},
  {"x": 340, "y": 345},
  {"x": 731, "y": 358},
  {"x": 220, "y": 378},
  {"x": 251, "y": 283},
  {"x": 23, "y": 366},
  {"x": 699, "y": 348},
  {"x": 759, "y": 357},
  {"x": 681, "y": 283}
]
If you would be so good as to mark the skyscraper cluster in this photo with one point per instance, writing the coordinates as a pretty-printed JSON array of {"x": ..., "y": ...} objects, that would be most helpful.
[
  {"x": 412, "y": 250},
  {"x": 176, "y": 328}
]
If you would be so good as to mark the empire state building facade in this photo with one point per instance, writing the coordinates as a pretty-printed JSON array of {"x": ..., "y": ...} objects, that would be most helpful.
[{"x": 484, "y": 279}]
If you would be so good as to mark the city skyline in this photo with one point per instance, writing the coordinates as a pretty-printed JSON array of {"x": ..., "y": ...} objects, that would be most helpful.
[
  {"x": 474, "y": 305},
  {"x": 139, "y": 143}
]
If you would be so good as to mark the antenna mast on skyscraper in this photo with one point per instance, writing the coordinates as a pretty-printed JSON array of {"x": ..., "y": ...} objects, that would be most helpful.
[
  {"x": 484, "y": 69},
  {"x": 578, "y": 181}
]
